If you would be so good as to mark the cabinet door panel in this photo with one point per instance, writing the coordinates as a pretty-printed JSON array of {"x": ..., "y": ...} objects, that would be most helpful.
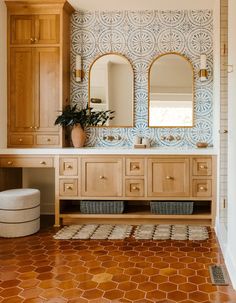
[
  {"x": 47, "y": 87},
  {"x": 22, "y": 106},
  {"x": 102, "y": 177},
  {"x": 22, "y": 29},
  {"x": 168, "y": 177},
  {"x": 47, "y": 29}
]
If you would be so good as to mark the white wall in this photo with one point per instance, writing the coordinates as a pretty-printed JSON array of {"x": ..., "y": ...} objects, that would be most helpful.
[
  {"x": 3, "y": 75},
  {"x": 230, "y": 253}
]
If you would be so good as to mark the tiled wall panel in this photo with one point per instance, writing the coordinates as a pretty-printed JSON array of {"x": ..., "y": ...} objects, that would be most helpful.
[{"x": 141, "y": 36}]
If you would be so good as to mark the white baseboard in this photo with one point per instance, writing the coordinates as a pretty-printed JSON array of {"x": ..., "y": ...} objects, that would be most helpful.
[{"x": 230, "y": 263}]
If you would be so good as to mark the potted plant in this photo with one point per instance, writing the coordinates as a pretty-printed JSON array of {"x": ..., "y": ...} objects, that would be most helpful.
[{"x": 78, "y": 120}]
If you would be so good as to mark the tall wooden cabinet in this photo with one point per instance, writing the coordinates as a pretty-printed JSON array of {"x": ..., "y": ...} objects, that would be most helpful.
[{"x": 38, "y": 70}]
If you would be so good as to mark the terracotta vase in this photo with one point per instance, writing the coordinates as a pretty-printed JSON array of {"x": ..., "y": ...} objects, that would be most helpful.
[{"x": 78, "y": 136}]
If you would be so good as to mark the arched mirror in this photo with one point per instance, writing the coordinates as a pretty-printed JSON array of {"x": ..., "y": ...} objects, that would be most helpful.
[
  {"x": 171, "y": 91},
  {"x": 111, "y": 88}
]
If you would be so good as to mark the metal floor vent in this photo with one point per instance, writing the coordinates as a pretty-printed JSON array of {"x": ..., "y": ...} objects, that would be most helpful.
[{"x": 218, "y": 275}]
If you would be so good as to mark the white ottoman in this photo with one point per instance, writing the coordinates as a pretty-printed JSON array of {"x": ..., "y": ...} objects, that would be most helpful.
[{"x": 19, "y": 212}]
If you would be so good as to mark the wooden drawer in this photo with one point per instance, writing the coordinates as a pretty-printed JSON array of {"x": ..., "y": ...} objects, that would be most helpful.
[
  {"x": 202, "y": 167},
  {"x": 68, "y": 166},
  {"x": 68, "y": 187},
  {"x": 134, "y": 167},
  {"x": 134, "y": 187},
  {"x": 26, "y": 162},
  {"x": 47, "y": 140},
  {"x": 202, "y": 188},
  {"x": 21, "y": 140}
]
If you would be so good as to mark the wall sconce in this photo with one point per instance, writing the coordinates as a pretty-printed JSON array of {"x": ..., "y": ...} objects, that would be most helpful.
[
  {"x": 78, "y": 69},
  {"x": 203, "y": 73}
]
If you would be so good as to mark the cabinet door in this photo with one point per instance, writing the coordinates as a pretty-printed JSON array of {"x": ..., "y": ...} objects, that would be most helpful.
[
  {"x": 22, "y": 106},
  {"x": 168, "y": 177},
  {"x": 47, "y": 28},
  {"x": 22, "y": 29},
  {"x": 101, "y": 177},
  {"x": 47, "y": 88}
]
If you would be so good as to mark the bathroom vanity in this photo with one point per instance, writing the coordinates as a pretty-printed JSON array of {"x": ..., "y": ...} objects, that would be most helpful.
[{"x": 135, "y": 176}]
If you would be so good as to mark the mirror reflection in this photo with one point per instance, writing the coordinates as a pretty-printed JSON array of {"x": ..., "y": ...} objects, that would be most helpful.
[
  {"x": 111, "y": 88},
  {"x": 171, "y": 92}
]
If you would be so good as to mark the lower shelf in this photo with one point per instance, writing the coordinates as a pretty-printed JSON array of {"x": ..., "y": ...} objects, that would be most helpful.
[{"x": 138, "y": 214}]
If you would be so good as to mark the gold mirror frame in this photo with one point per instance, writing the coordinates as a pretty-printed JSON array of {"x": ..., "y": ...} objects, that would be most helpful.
[
  {"x": 193, "y": 90},
  {"x": 89, "y": 86}
]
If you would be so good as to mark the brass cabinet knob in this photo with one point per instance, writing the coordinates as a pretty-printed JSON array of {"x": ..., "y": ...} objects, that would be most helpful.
[
  {"x": 202, "y": 188},
  {"x": 69, "y": 166},
  {"x": 203, "y": 166},
  {"x": 169, "y": 178},
  {"x": 31, "y": 40},
  {"x": 31, "y": 127},
  {"x": 69, "y": 187},
  {"x": 101, "y": 177},
  {"x": 135, "y": 167},
  {"x": 48, "y": 139},
  {"x": 35, "y": 40},
  {"x": 135, "y": 188},
  {"x": 9, "y": 162},
  {"x": 20, "y": 140},
  {"x": 35, "y": 127},
  {"x": 43, "y": 162}
]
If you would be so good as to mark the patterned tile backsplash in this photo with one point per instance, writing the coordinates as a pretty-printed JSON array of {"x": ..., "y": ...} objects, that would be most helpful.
[{"x": 141, "y": 36}]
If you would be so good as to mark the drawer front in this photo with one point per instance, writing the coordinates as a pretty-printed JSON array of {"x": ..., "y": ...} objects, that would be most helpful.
[
  {"x": 47, "y": 140},
  {"x": 27, "y": 162},
  {"x": 168, "y": 177},
  {"x": 102, "y": 177},
  {"x": 68, "y": 187},
  {"x": 202, "y": 167},
  {"x": 134, "y": 167},
  {"x": 202, "y": 188},
  {"x": 134, "y": 187},
  {"x": 68, "y": 166},
  {"x": 21, "y": 140}
]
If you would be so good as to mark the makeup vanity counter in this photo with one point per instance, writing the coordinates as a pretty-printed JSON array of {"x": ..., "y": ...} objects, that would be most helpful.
[{"x": 136, "y": 176}]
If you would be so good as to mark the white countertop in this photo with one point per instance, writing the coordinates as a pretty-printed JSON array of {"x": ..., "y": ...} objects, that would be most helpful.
[{"x": 109, "y": 151}]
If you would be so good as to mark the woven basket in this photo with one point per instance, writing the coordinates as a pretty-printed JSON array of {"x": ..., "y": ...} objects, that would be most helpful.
[
  {"x": 172, "y": 207},
  {"x": 101, "y": 207}
]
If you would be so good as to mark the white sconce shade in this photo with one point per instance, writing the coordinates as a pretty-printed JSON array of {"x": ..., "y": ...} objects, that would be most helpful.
[
  {"x": 203, "y": 74},
  {"x": 78, "y": 68}
]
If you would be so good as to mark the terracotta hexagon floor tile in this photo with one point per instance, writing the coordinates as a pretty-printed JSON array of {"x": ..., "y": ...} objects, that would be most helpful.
[
  {"x": 199, "y": 296},
  {"x": 83, "y": 277},
  {"x": 197, "y": 280},
  {"x": 87, "y": 285},
  {"x": 133, "y": 295},
  {"x": 51, "y": 293},
  {"x": 29, "y": 283},
  {"x": 9, "y": 283},
  {"x": 120, "y": 278},
  {"x": 178, "y": 279},
  {"x": 72, "y": 293},
  {"x": 167, "y": 286},
  {"x": 126, "y": 286},
  {"x": 159, "y": 279},
  {"x": 177, "y": 296},
  {"x": 168, "y": 271},
  {"x": 31, "y": 293},
  {"x": 92, "y": 294},
  {"x": 156, "y": 295},
  {"x": 107, "y": 285},
  {"x": 139, "y": 278},
  {"x": 132, "y": 271},
  {"x": 113, "y": 294},
  {"x": 188, "y": 287},
  {"x": 67, "y": 284},
  {"x": 12, "y": 300},
  {"x": 147, "y": 286},
  {"x": 10, "y": 292}
]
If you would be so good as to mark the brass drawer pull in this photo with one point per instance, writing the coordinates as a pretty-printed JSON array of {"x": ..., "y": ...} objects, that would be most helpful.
[
  {"x": 48, "y": 139},
  {"x": 169, "y": 178},
  {"x": 69, "y": 166},
  {"x": 20, "y": 140},
  {"x": 203, "y": 166},
  {"x": 135, "y": 167},
  {"x": 69, "y": 187},
  {"x": 202, "y": 188},
  {"x": 43, "y": 162},
  {"x": 101, "y": 177},
  {"x": 135, "y": 188},
  {"x": 31, "y": 40},
  {"x": 9, "y": 162}
]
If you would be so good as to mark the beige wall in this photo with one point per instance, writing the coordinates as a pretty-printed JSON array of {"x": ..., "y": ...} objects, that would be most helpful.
[{"x": 3, "y": 75}]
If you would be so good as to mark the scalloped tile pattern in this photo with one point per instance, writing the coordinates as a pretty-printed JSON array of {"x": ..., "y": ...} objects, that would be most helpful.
[{"x": 141, "y": 36}]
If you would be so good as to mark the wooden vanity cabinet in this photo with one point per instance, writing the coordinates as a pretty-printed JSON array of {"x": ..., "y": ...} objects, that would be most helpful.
[
  {"x": 137, "y": 180},
  {"x": 38, "y": 71}
]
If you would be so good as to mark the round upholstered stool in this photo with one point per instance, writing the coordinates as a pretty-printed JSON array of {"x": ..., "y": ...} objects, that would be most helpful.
[{"x": 19, "y": 212}]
